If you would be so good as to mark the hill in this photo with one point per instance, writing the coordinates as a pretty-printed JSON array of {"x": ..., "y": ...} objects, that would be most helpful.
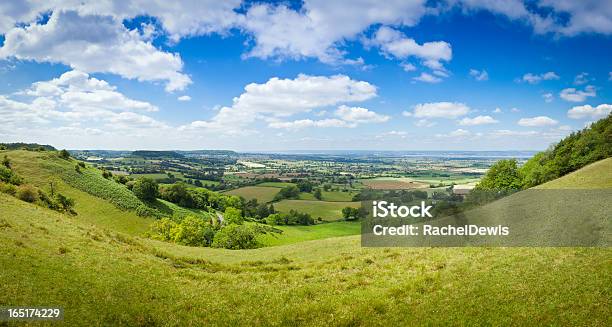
[
  {"x": 156, "y": 154},
  {"x": 28, "y": 146},
  {"x": 96, "y": 267}
]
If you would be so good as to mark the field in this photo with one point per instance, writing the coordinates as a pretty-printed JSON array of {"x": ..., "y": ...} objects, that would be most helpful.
[
  {"x": 332, "y": 196},
  {"x": 275, "y": 184},
  {"x": 295, "y": 234},
  {"x": 261, "y": 193},
  {"x": 389, "y": 183},
  {"x": 329, "y": 211}
]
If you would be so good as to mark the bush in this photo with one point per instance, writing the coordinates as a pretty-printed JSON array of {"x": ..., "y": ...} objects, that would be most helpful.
[
  {"x": 6, "y": 162},
  {"x": 144, "y": 211},
  {"x": 232, "y": 215},
  {"x": 163, "y": 229},
  {"x": 237, "y": 237},
  {"x": 27, "y": 193},
  {"x": 194, "y": 231},
  {"x": 145, "y": 189},
  {"x": 8, "y": 188},
  {"x": 288, "y": 192},
  {"x": 64, "y": 154},
  {"x": 77, "y": 168}
]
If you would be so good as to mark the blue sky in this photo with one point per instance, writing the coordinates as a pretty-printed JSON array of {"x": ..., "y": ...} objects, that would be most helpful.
[{"x": 399, "y": 75}]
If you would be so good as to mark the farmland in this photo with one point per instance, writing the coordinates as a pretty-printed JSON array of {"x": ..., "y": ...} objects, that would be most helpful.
[
  {"x": 263, "y": 194},
  {"x": 328, "y": 211}
]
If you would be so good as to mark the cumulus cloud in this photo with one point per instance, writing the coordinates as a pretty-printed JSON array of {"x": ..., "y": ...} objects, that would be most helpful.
[
  {"x": 449, "y": 110},
  {"x": 479, "y": 75},
  {"x": 306, "y": 123},
  {"x": 538, "y": 121},
  {"x": 537, "y": 78},
  {"x": 395, "y": 44},
  {"x": 590, "y": 112},
  {"x": 478, "y": 120},
  {"x": 75, "y": 98},
  {"x": 319, "y": 28},
  {"x": 427, "y": 78},
  {"x": 278, "y": 98},
  {"x": 497, "y": 110},
  {"x": 360, "y": 115},
  {"x": 93, "y": 43},
  {"x": 574, "y": 95},
  {"x": 548, "y": 97},
  {"x": 184, "y": 98},
  {"x": 582, "y": 78}
]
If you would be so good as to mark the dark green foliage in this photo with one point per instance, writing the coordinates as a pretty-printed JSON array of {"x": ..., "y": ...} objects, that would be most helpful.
[
  {"x": 26, "y": 146},
  {"x": 350, "y": 213},
  {"x": 317, "y": 194},
  {"x": 288, "y": 192},
  {"x": 572, "y": 153},
  {"x": 145, "y": 189},
  {"x": 144, "y": 211},
  {"x": 6, "y": 162},
  {"x": 292, "y": 218},
  {"x": 304, "y": 186},
  {"x": 64, "y": 154},
  {"x": 77, "y": 168}
]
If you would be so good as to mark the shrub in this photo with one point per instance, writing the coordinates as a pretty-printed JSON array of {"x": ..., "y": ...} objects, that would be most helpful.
[
  {"x": 77, "y": 168},
  {"x": 194, "y": 231},
  {"x": 163, "y": 229},
  {"x": 145, "y": 189},
  {"x": 144, "y": 211},
  {"x": 8, "y": 188},
  {"x": 27, "y": 193},
  {"x": 232, "y": 215},
  {"x": 6, "y": 162},
  {"x": 237, "y": 237},
  {"x": 64, "y": 154}
]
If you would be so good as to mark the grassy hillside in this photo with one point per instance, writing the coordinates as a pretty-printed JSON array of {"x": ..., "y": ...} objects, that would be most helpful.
[
  {"x": 102, "y": 277},
  {"x": 298, "y": 233},
  {"x": 595, "y": 175}
]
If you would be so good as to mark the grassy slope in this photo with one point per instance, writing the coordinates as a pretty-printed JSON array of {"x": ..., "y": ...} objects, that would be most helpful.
[
  {"x": 329, "y": 211},
  {"x": 104, "y": 278}
]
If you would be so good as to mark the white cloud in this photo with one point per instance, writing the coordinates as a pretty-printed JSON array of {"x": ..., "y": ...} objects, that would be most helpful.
[
  {"x": 478, "y": 120},
  {"x": 582, "y": 78},
  {"x": 535, "y": 78},
  {"x": 449, "y": 110},
  {"x": 286, "y": 97},
  {"x": 394, "y": 43},
  {"x": 92, "y": 43},
  {"x": 497, "y": 111},
  {"x": 308, "y": 123},
  {"x": 184, "y": 98},
  {"x": 573, "y": 95},
  {"x": 360, "y": 115},
  {"x": 456, "y": 134},
  {"x": 424, "y": 123},
  {"x": 590, "y": 112},
  {"x": 75, "y": 99},
  {"x": 538, "y": 121},
  {"x": 321, "y": 27},
  {"x": 479, "y": 75},
  {"x": 408, "y": 67},
  {"x": 515, "y": 110},
  {"x": 505, "y": 132},
  {"x": 548, "y": 97},
  {"x": 427, "y": 78}
]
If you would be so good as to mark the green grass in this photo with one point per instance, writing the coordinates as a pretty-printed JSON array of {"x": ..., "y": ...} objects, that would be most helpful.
[
  {"x": 329, "y": 211},
  {"x": 275, "y": 184},
  {"x": 101, "y": 277},
  {"x": 298, "y": 233},
  {"x": 595, "y": 175},
  {"x": 262, "y": 194}
]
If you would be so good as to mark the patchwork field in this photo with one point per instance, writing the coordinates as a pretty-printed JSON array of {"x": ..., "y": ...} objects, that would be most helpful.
[
  {"x": 333, "y": 196},
  {"x": 389, "y": 183},
  {"x": 261, "y": 193},
  {"x": 328, "y": 211},
  {"x": 275, "y": 184}
]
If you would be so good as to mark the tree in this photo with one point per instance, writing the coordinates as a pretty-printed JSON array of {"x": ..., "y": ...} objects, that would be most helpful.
[
  {"x": 304, "y": 186},
  {"x": 502, "y": 176},
  {"x": 145, "y": 189},
  {"x": 64, "y": 154},
  {"x": 350, "y": 213},
  {"x": 288, "y": 192},
  {"x": 193, "y": 231},
  {"x": 237, "y": 237},
  {"x": 317, "y": 194},
  {"x": 233, "y": 216}
]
